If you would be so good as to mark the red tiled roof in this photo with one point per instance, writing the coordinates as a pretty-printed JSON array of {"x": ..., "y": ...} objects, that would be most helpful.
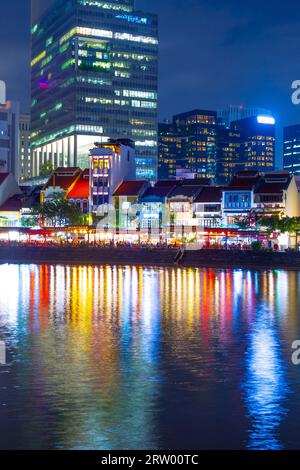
[
  {"x": 242, "y": 183},
  {"x": 271, "y": 188},
  {"x": 63, "y": 178},
  {"x": 158, "y": 192},
  {"x": 81, "y": 190},
  {"x": 3, "y": 177},
  {"x": 277, "y": 174},
  {"x": 130, "y": 188},
  {"x": 185, "y": 191},
  {"x": 274, "y": 183},
  {"x": 210, "y": 194},
  {"x": 67, "y": 169}
]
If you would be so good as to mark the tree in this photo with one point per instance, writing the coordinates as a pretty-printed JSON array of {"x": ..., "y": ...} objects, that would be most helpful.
[
  {"x": 30, "y": 221},
  {"x": 3, "y": 221},
  {"x": 290, "y": 225},
  {"x": 271, "y": 224},
  {"x": 60, "y": 211},
  {"x": 46, "y": 169},
  {"x": 280, "y": 224}
]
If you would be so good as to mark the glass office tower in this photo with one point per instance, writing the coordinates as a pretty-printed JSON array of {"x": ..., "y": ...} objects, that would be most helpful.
[
  {"x": 189, "y": 142},
  {"x": 94, "y": 77},
  {"x": 9, "y": 134},
  {"x": 198, "y": 142},
  {"x": 229, "y": 159},
  {"x": 257, "y": 151},
  {"x": 291, "y": 149},
  {"x": 170, "y": 156}
]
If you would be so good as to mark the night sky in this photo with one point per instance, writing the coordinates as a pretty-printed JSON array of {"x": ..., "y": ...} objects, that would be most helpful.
[{"x": 212, "y": 53}]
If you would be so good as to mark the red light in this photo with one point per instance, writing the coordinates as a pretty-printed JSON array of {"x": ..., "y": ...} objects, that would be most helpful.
[{"x": 43, "y": 84}]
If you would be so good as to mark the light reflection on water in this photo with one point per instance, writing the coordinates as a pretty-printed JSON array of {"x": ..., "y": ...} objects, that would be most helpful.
[
  {"x": 266, "y": 386},
  {"x": 125, "y": 358}
]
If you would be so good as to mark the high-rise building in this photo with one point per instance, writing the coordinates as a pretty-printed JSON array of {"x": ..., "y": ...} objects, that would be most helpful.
[
  {"x": 9, "y": 134},
  {"x": 257, "y": 151},
  {"x": 197, "y": 141},
  {"x": 189, "y": 142},
  {"x": 291, "y": 149},
  {"x": 237, "y": 112},
  {"x": 94, "y": 76},
  {"x": 170, "y": 156},
  {"x": 25, "y": 170},
  {"x": 229, "y": 154}
]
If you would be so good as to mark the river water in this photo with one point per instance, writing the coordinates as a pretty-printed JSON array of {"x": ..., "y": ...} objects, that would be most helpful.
[{"x": 141, "y": 358}]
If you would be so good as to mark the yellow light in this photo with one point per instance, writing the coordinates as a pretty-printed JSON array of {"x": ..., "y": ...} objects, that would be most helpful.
[{"x": 38, "y": 58}]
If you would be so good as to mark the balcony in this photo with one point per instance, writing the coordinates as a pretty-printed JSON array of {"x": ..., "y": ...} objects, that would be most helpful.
[{"x": 237, "y": 205}]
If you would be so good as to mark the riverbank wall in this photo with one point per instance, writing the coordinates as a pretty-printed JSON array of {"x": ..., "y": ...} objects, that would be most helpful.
[{"x": 84, "y": 255}]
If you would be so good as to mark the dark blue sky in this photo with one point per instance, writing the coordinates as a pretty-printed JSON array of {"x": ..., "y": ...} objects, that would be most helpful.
[{"x": 213, "y": 53}]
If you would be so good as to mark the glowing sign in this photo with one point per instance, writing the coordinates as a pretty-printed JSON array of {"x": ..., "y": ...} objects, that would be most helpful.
[
  {"x": 132, "y": 19},
  {"x": 265, "y": 120}
]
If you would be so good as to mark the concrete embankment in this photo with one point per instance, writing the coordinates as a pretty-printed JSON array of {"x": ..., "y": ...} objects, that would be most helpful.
[
  {"x": 241, "y": 259},
  {"x": 86, "y": 255},
  {"x": 83, "y": 255}
]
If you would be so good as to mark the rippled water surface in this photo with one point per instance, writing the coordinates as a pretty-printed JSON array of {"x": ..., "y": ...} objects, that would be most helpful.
[{"x": 141, "y": 358}]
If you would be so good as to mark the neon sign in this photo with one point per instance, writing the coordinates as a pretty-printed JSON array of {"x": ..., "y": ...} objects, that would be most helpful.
[{"x": 265, "y": 120}]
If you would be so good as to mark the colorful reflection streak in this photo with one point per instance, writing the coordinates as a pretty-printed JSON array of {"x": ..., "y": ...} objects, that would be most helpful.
[
  {"x": 132, "y": 357},
  {"x": 266, "y": 386}
]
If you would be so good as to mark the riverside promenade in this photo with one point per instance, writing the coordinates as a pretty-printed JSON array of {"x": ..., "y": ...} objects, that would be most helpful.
[{"x": 144, "y": 256}]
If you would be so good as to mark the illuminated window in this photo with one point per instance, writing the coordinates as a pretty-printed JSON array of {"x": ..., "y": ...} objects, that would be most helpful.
[
  {"x": 37, "y": 59},
  {"x": 104, "y": 5}
]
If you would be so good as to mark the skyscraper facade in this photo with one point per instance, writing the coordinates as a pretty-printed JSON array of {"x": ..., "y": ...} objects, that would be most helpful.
[
  {"x": 170, "y": 156},
  {"x": 237, "y": 112},
  {"x": 9, "y": 134},
  {"x": 229, "y": 153},
  {"x": 201, "y": 143},
  {"x": 257, "y": 150},
  {"x": 291, "y": 149},
  {"x": 94, "y": 77},
  {"x": 189, "y": 142},
  {"x": 25, "y": 170}
]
